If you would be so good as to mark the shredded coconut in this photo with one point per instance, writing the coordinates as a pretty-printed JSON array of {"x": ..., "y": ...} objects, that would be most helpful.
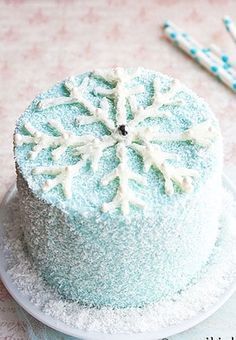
[{"x": 215, "y": 279}]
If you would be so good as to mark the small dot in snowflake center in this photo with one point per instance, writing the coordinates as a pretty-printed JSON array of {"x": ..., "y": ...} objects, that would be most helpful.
[{"x": 122, "y": 129}]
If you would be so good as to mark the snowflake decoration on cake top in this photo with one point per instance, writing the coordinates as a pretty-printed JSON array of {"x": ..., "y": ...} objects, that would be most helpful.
[{"x": 123, "y": 134}]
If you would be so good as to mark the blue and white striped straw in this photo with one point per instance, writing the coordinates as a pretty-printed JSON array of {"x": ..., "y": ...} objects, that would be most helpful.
[
  {"x": 224, "y": 58},
  {"x": 213, "y": 57},
  {"x": 230, "y": 27},
  {"x": 195, "y": 51}
]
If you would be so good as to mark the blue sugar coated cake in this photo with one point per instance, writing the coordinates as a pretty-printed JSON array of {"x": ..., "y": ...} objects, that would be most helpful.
[{"x": 119, "y": 179}]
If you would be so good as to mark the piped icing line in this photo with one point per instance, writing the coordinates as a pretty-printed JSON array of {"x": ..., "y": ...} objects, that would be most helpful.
[
  {"x": 124, "y": 196},
  {"x": 202, "y": 134},
  {"x": 130, "y": 133},
  {"x": 159, "y": 100},
  {"x": 117, "y": 74},
  {"x": 94, "y": 149},
  {"x": 154, "y": 156},
  {"x": 77, "y": 96},
  {"x": 100, "y": 114},
  {"x": 44, "y": 141},
  {"x": 120, "y": 93},
  {"x": 88, "y": 147},
  {"x": 63, "y": 176},
  {"x": 90, "y": 152}
]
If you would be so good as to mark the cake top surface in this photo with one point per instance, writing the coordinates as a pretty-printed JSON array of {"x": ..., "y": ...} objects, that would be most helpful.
[{"x": 116, "y": 142}]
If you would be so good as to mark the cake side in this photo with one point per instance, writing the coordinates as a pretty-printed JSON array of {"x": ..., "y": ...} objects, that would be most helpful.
[
  {"x": 106, "y": 264},
  {"x": 127, "y": 255}
]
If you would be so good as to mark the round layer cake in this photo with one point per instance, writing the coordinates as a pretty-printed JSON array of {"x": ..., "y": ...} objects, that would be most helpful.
[{"x": 119, "y": 180}]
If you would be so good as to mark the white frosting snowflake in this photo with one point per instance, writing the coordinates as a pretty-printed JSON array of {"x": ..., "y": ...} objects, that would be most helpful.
[{"x": 123, "y": 134}]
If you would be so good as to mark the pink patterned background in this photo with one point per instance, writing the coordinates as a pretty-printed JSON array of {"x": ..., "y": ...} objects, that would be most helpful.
[{"x": 42, "y": 42}]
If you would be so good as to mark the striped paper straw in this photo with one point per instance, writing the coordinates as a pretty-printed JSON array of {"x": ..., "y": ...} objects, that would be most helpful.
[
  {"x": 212, "y": 56},
  {"x": 224, "y": 58},
  {"x": 168, "y": 23},
  {"x": 220, "y": 60},
  {"x": 230, "y": 27},
  {"x": 222, "y": 55},
  {"x": 195, "y": 52}
]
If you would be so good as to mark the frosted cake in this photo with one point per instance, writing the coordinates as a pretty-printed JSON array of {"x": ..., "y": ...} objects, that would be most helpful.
[{"x": 119, "y": 180}]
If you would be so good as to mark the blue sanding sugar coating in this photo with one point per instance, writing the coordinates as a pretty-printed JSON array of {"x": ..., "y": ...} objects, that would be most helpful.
[{"x": 99, "y": 258}]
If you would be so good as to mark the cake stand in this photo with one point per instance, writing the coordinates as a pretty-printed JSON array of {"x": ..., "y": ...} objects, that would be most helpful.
[{"x": 24, "y": 301}]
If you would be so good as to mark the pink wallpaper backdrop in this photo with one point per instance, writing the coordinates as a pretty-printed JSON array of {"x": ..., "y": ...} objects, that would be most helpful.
[{"x": 44, "y": 41}]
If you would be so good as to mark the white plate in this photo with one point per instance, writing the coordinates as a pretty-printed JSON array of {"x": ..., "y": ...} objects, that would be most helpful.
[{"x": 58, "y": 325}]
